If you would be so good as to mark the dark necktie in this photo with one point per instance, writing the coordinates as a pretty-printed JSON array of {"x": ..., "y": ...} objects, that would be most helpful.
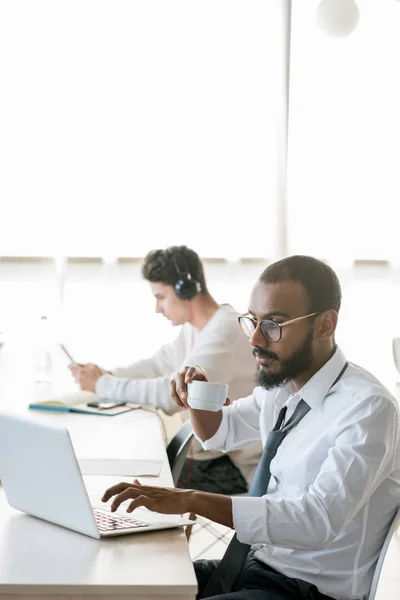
[{"x": 225, "y": 575}]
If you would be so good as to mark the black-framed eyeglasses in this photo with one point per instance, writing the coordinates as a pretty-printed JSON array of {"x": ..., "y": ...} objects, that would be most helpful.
[{"x": 271, "y": 330}]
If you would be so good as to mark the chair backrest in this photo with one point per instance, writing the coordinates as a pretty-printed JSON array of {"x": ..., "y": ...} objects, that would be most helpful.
[
  {"x": 396, "y": 352},
  {"x": 382, "y": 554},
  {"x": 178, "y": 449}
]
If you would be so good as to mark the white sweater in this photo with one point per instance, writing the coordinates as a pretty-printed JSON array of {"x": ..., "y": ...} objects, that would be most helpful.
[{"x": 223, "y": 352}]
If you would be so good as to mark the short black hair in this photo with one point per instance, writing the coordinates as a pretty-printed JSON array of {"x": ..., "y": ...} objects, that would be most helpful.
[
  {"x": 161, "y": 266},
  {"x": 317, "y": 278}
]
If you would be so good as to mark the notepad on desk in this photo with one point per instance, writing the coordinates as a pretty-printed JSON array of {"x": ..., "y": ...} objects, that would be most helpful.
[
  {"x": 120, "y": 467},
  {"x": 78, "y": 402}
]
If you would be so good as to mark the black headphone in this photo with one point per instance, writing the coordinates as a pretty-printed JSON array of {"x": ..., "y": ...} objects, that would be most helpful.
[{"x": 186, "y": 287}]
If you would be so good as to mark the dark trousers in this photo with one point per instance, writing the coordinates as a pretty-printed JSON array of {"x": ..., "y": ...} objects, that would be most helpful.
[{"x": 258, "y": 582}]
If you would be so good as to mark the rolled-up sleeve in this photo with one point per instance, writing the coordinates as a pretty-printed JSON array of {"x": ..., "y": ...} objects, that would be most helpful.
[{"x": 249, "y": 519}]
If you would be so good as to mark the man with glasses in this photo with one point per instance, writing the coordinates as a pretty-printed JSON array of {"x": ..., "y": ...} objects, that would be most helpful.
[
  {"x": 210, "y": 337},
  {"x": 328, "y": 482}
]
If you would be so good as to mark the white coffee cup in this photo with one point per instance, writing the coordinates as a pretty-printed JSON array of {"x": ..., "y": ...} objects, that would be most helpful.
[{"x": 203, "y": 395}]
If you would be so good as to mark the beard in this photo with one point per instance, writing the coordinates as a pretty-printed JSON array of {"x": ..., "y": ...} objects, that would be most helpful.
[{"x": 290, "y": 368}]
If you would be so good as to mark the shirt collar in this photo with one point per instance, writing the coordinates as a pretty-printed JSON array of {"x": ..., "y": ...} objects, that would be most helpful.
[{"x": 316, "y": 388}]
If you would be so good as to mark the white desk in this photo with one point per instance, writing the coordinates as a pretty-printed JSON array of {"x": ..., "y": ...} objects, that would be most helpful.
[{"x": 39, "y": 560}]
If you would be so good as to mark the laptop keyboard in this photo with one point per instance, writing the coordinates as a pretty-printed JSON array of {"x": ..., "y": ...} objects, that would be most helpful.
[{"x": 111, "y": 522}]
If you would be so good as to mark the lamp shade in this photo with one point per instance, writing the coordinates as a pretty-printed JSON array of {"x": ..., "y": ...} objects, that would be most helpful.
[{"x": 337, "y": 18}]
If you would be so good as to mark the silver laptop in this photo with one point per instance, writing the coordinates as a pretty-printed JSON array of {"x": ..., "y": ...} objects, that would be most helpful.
[{"x": 41, "y": 476}]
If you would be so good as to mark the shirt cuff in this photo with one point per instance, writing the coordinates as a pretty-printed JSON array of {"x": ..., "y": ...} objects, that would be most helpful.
[
  {"x": 217, "y": 441},
  {"x": 104, "y": 387},
  {"x": 249, "y": 515}
]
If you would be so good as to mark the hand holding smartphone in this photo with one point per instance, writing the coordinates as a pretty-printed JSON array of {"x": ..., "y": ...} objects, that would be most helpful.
[{"x": 63, "y": 348}]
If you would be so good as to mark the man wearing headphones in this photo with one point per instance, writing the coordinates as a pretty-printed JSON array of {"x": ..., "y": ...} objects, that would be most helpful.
[{"x": 211, "y": 338}]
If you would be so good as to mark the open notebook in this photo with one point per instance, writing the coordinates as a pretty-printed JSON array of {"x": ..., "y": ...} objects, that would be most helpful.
[{"x": 78, "y": 402}]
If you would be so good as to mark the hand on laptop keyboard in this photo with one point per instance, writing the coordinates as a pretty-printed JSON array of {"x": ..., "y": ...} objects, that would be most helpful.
[{"x": 109, "y": 522}]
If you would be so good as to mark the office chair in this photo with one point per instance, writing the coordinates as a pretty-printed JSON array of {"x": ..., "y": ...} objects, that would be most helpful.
[
  {"x": 382, "y": 554},
  {"x": 396, "y": 358},
  {"x": 177, "y": 451}
]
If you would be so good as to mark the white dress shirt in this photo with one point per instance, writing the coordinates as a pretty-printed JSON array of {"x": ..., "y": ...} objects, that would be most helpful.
[
  {"x": 335, "y": 480},
  {"x": 223, "y": 352}
]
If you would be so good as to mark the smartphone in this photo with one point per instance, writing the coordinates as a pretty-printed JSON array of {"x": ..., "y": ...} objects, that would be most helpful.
[
  {"x": 63, "y": 348},
  {"x": 105, "y": 405}
]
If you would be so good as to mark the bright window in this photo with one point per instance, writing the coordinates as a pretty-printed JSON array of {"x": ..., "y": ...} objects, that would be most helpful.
[{"x": 130, "y": 125}]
